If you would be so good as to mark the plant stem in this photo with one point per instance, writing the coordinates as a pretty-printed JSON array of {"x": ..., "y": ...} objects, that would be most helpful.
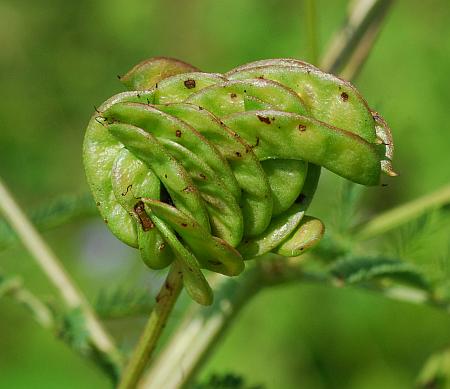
[
  {"x": 13, "y": 287},
  {"x": 312, "y": 31},
  {"x": 202, "y": 327},
  {"x": 57, "y": 275},
  {"x": 352, "y": 43},
  {"x": 165, "y": 301},
  {"x": 403, "y": 214}
]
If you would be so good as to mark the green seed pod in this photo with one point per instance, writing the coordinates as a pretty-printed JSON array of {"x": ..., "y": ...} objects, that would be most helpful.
[
  {"x": 211, "y": 170},
  {"x": 147, "y": 73}
]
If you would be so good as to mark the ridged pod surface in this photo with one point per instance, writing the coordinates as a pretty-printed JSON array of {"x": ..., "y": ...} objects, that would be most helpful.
[{"x": 213, "y": 169}]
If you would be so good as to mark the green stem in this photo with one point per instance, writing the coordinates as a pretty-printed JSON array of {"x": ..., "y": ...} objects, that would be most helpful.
[
  {"x": 13, "y": 287},
  {"x": 165, "y": 301},
  {"x": 196, "y": 336},
  {"x": 52, "y": 268},
  {"x": 403, "y": 214},
  {"x": 312, "y": 31}
]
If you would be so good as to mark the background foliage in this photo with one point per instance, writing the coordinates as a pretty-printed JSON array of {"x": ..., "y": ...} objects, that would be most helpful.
[{"x": 58, "y": 59}]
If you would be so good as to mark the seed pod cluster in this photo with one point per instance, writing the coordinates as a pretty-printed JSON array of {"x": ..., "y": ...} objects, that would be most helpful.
[{"x": 213, "y": 169}]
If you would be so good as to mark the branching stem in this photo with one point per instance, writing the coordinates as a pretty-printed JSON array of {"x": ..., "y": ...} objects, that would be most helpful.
[{"x": 57, "y": 275}]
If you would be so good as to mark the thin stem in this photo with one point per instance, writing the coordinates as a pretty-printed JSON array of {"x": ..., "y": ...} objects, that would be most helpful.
[
  {"x": 57, "y": 275},
  {"x": 403, "y": 214},
  {"x": 195, "y": 338},
  {"x": 353, "y": 42},
  {"x": 165, "y": 301},
  {"x": 59, "y": 211},
  {"x": 312, "y": 31}
]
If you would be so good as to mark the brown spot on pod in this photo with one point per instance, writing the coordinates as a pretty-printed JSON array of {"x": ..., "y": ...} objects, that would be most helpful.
[
  {"x": 183, "y": 224},
  {"x": 189, "y": 83},
  {"x": 178, "y": 133},
  {"x": 202, "y": 176},
  {"x": 233, "y": 95},
  {"x": 264, "y": 119},
  {"x": 301, "y": 127},
  {"x": 238, "y": 154},
  {"x": 162, "y": 246},
  {"x": 145, "y": 221},
  {"x": 189, "y": 189},
  {"x": 344, "y": 96}
]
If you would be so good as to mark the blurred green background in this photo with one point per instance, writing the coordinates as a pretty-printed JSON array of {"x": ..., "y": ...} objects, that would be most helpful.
[{"x": 59, "y": 58}]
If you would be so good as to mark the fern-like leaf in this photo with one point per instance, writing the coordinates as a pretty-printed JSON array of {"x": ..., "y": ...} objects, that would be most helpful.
[{"x": 362, "y": 270}]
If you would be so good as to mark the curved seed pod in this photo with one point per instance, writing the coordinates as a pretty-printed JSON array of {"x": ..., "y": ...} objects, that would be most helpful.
[
  {"x": 179, "y": 87},
  {"x": 213, "y": 253},
  {"x": 272, "y": 62},
  {"x": 286, "y": 178},
  {"x": 131, "y": 180},
  {"x": 345, "y": 108},
  {"x": 256, "y": 200},
  {"x": 147, "y": 73},
  {"x": 308, "y": 233},
  {"x": 184, "y": 144},
  {"x": 170, "y": 172},
  {"x": 286, "y": 135},
  {"x": 193, "y": 279},
  {"x": 280, "y": 228},
  {"x": 240, "y": 96},
  {"x": 200, "y": 163},
  {"x": 231, "y": 96}
]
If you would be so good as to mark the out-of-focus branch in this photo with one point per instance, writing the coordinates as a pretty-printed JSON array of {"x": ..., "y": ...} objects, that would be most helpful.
[
  {"x": 404, "y": 213},
  {"x": 57, "y": 212},
  {"x": 311, "y": 30},
  {"x": 352, "y": 44},
  {"x": 57, "y": 275},
  {"x": 13, "y": 287}
]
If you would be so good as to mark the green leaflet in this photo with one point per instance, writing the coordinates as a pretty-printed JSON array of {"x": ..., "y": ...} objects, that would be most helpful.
[
  {"x": 209, "y": 169},
  {"x": 358, "y": 270}
]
